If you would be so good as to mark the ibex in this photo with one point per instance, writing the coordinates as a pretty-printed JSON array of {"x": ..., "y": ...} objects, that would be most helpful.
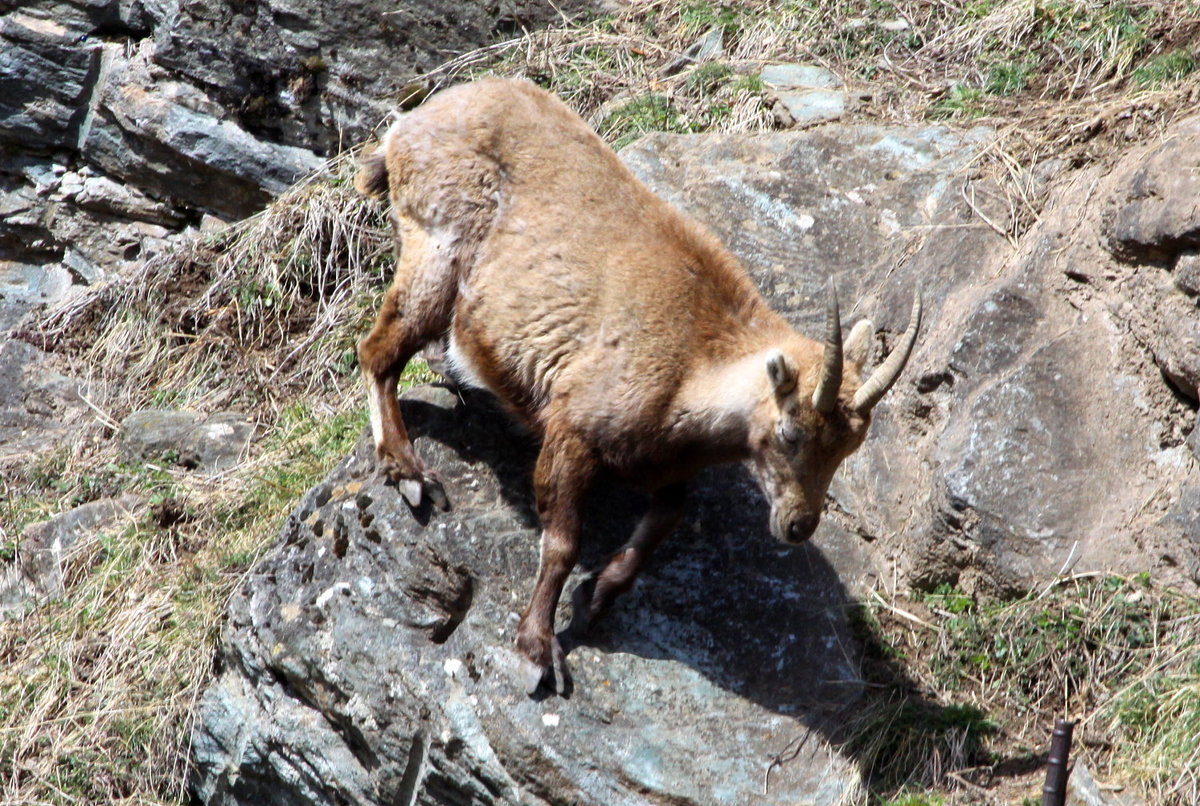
[{"x": 621, "y": 332}]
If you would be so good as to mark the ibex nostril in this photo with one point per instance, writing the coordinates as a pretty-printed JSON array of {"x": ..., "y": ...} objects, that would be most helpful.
[{"x": 801, "y": 529}]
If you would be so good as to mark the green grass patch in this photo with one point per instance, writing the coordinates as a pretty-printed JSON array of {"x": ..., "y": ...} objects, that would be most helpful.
[
  {"x": 914, "y": 799},
  {"x": 960, "y": 102},
  {"x": 1159, "y": 716},
  {"x": 698, "y": 17},
  {"x": 979, "y": 682},
  {"x": 708, "y": 78},
  {"x": 649, "y": 113},
  {"x": 1009, "y": 77},
  {"x": 1164, "y": 68}
]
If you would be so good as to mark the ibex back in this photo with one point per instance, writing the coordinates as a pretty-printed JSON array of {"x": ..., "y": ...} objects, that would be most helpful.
[{"x": 621, "y": 332}]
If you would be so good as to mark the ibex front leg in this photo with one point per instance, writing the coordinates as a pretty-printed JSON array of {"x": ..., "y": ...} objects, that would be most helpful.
[
  {"x": 415, "y": 310},
  {"x": 564, "y": 472}
]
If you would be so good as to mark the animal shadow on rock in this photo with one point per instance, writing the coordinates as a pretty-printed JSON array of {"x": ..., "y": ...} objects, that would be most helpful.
[{"x": 772, "y": 623}]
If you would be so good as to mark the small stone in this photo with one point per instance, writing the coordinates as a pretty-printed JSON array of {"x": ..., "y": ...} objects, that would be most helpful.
[
  {"x": 805, "y": 95},
  {"x": 1187, "y": 272},
  {"x": 790, "y": 76},
  {"x": 45, "y": 548},
  {"x": 211, "y": 443}
]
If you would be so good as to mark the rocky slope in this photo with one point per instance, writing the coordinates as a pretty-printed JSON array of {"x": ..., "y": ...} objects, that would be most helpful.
[
  {"x": 1037, "y": 430},
  {"x": 1046, "y": 423}
]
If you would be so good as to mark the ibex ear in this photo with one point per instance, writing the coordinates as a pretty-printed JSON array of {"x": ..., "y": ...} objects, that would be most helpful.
[
  {"x": 858, "y": 343},
  {"x": 781, "y": 372}
]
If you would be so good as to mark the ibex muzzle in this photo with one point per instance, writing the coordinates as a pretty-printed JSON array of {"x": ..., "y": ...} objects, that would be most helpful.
[
  {"x": 796, "y": 463},
  {"x": 617, "y": 329}
]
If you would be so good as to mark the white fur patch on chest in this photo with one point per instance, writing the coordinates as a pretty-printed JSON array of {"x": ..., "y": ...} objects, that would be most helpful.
[{"x": 461, "y": 368}]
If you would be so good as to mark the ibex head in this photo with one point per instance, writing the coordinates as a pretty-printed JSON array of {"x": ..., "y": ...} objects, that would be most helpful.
[{"x": 807, "y": 426}]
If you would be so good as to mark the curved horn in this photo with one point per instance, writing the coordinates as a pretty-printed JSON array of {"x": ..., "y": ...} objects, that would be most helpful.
[
  {"x": 825, "y": 395},
  {"x": 882, "y": 378}
]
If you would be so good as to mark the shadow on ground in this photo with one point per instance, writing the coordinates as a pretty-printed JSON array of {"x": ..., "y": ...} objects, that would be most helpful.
[{"x": 769, "y": 622}]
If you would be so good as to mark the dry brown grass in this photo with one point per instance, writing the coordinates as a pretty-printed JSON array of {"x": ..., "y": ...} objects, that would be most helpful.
[
  {"x": 1061, "y": 72},
  {"x": 247, "y": 317},
  {"x": 982, "y": 683}
]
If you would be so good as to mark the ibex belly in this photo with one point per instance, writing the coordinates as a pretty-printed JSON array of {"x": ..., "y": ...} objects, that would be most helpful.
[{"x": 518, "y": 328}]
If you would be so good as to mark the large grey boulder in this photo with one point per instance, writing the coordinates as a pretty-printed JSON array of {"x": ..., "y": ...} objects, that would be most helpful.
[
  {"x": 368, "y": 659},
  {"x": 1033, "y": 429}
]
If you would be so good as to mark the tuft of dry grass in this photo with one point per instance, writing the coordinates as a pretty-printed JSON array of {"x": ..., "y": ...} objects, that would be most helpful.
[
  {"x": 983, "y": 682},
  {"x": 247, "y": 316}
]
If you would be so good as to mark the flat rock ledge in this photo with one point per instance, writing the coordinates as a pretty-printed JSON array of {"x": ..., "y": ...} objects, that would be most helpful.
[{"x": 368, "y": 658}]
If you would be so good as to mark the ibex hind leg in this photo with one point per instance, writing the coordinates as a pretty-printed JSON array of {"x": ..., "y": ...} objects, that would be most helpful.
[
  {"x": 416, "y": 310},
  {"x": 594, "y": 596}
]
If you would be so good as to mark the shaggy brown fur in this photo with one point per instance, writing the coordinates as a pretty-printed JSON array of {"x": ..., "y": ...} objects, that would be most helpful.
[{"x": 619, "y": 330}]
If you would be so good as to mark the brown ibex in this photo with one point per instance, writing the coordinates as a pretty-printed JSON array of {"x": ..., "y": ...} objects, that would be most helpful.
[{"x": 621, "y": 332}]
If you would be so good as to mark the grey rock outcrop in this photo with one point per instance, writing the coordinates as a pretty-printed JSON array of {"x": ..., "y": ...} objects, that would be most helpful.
[
  {"x": 1152, "y": 224},
  {"x": 214, "y": 442},
  {"x": 368, "y": 659},
  {"x": 45, "y": 550},
  {"x": 1033, "y": 428}
]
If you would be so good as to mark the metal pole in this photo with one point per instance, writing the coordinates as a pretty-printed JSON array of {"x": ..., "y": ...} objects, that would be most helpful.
[{"x": 1054, "y": 793}]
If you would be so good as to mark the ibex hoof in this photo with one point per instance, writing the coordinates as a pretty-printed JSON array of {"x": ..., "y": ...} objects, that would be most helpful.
[
  {"x": 436, "y": 493},
  {"x": 416, "y": 490},
  {"x": 410, "y": 490},
  {"x": 552, "y": 676},
  {"x": 415, "y": 484}
]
